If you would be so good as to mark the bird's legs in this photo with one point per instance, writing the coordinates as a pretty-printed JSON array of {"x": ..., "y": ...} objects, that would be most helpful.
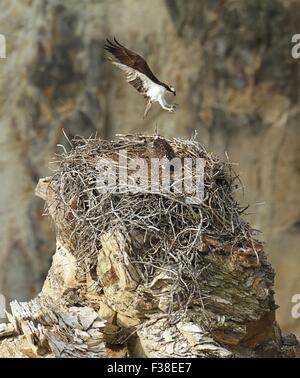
[
  {"x": 148, "y": 106},
  {"x": 163, "y": 103}
]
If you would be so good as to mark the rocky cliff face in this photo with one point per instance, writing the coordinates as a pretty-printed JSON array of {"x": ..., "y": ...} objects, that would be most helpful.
[{"x": 237, "y": 85}]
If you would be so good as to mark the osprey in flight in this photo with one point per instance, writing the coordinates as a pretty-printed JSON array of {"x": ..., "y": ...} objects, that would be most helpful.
[{"x": 138, "y": 73}]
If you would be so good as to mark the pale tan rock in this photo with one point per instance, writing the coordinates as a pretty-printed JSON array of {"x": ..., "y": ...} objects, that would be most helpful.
[
  {"x": 71, "y": 319},
  {"x": 126, "y": 321},
  {"x": 114, "y": 248},
  {"x": 106, "y": 313}
]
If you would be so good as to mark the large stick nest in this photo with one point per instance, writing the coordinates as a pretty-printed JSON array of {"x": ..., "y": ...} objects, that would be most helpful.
[{"x": 165, "y": 234}]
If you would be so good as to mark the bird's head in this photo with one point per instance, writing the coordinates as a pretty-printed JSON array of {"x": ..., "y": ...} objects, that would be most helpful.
[{"x": 172, "y": 90}]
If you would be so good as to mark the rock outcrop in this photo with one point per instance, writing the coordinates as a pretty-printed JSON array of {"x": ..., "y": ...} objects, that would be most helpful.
[
  {"x": 188, "y": 280},
  {"x": 236, "y": 82}
]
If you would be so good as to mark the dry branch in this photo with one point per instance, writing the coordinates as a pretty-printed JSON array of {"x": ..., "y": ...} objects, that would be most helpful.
[{"x": 147, "y": 274}]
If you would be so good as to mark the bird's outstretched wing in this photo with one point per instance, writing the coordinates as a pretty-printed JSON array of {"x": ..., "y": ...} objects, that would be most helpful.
[
  {"x": 137, "y": 72},
  {"x": 130, "y": 59}
]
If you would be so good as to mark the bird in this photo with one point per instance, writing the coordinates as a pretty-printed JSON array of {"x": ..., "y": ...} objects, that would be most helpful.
[
  {"x": 139, "y": 75},
  {"x": 163, "y": 148}
]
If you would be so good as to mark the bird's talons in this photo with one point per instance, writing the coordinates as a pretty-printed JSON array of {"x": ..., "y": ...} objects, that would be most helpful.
[{"x": 173, "y": 108}]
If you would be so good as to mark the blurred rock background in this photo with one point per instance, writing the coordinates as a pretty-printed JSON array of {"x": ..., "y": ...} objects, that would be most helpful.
[{"x": 236, "y": 83}]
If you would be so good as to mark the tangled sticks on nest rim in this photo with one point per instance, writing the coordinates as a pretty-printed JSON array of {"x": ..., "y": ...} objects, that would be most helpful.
[{"x": 165, "y": 233}]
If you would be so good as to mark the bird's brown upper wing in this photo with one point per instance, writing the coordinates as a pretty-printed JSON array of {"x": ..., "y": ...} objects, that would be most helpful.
[
  {"x": 163, "y": 148},
  {"x": 130, "y": 59}
]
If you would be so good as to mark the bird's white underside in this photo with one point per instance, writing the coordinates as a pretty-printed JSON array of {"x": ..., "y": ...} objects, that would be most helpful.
[{"x": 155, "y": 92}]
